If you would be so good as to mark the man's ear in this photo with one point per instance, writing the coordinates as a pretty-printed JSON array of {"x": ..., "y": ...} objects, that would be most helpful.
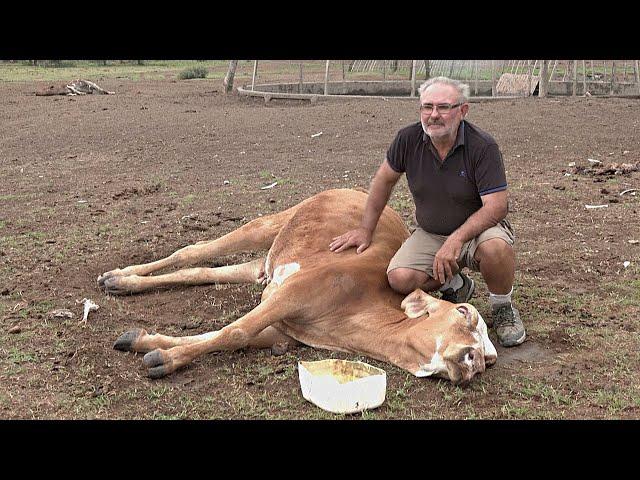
[
  {"x": 418, "y": 303},
  {"x": 464, "y": 109}
]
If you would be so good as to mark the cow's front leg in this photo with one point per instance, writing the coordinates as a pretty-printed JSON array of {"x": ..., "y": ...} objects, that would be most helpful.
[
  {"x": 250, "y": 272},
  {"x": 138, "y": 340}
]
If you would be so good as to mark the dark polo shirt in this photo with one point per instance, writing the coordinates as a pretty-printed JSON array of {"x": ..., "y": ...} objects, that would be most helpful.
[{"x": 447, "y": 193}]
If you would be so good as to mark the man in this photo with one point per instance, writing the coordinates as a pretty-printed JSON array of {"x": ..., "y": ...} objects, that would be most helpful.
[{"x": 456, "y": 176}]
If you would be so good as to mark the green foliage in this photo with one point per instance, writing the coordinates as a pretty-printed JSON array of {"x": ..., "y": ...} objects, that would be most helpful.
[{"x": 193, "y": 72}]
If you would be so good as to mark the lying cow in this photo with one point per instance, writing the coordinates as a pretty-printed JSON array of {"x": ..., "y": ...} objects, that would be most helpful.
[
  {"x": 77, "y": 87},
  {"x": 336, "y": 301}
]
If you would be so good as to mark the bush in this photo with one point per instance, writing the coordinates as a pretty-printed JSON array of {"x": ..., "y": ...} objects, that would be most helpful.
[{"x": 194, "y": 72}]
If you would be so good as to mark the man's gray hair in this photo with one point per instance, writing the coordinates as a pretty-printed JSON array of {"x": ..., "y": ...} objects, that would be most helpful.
[{"x": 462, "y": 88}]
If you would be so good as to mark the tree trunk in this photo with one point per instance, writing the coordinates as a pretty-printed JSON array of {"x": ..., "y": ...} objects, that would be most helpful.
[{"x": 227, "y": 83}]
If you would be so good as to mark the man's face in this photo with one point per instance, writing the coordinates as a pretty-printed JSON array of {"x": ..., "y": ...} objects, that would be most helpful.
[{"x": 437, "y": 123}]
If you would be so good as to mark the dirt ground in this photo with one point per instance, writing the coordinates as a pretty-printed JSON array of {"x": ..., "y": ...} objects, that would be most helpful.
[{"x": 91, "y": 183}]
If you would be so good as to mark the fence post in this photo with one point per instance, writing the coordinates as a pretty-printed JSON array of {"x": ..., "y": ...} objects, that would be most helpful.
[
  {"x": 475, "y": 77},
  {"x": 544, "y": 79},
  {"x": 326, "y": 78},
  {"x": 575, "y": 77},
  {"x": 493, "y": 78},
  {"x": 584, "y": 78},
  {"x": 300, "y": 83},
  {"x": 413, "y": 78},
  {"x": 255, "y": 72},
  {"x": 637, "y": 76},
  {"x": 613, "y": 77}
]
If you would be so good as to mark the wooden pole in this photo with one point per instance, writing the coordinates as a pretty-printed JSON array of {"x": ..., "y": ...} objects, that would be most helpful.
[
  {"x": 584, "y": 78},
  {"x": 475, "y": 77},
  {"x": 255, "y": 72},
  {"x": 413, "y": 78},
  {"x": 227, "y": 83},
  {"x": 637, "y": 75},
  {"x": 575, "y": 77},
  {"x": 326, "y": 78},
  {"x": 613, "y": 77},
  {"x": 300, "y": 84},
  {"x": 493, "y": 78},
  {"x": 529, "y": 77},
  {"x": 544, "y": 79},
  {"x": 384, "y": 70}
]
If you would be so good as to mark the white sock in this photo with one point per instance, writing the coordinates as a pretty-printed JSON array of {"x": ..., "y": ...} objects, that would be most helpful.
[
  {"x": 456, "y": 282},
  {"x": 497, "y": 300}
]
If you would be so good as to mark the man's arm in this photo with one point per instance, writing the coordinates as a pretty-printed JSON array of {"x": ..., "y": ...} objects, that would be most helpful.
[
  {"x": 379, "y": 192},
  {"x": 494, "y": 209}
]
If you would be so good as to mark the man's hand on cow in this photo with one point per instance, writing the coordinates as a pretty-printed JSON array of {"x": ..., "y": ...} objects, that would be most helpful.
[
  {"x": 445, "y": 263},
  {"x": 359, "y": 238}
]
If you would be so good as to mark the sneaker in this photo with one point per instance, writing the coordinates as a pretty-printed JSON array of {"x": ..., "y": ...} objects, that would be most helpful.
[
  {"x": 461, "y": 295},
  {"x": 508, "y": 325}
]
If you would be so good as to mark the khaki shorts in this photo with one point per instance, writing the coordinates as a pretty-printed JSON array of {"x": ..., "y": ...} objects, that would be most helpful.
[{"x": 419, "y": 250}]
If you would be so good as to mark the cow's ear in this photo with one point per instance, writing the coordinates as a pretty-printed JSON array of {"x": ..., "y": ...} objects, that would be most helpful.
[
  {"x": 470, "y": 315},
  {"x": 418, "y": 303}
]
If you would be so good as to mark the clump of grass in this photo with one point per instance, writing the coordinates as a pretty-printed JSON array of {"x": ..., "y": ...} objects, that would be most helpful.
[{"x": 193, "y": 72}]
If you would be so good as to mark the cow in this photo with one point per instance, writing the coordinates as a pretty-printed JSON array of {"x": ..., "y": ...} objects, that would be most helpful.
[{"x": 313, "y": 296}]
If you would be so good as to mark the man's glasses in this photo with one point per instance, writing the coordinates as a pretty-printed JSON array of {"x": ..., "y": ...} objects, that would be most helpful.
[{"x": 443, "y": 108}]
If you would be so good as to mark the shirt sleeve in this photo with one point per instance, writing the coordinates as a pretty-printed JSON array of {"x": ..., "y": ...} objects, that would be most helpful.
[
  {"x": 397, "y": 153},
  {"x": 490, "y": 174}
]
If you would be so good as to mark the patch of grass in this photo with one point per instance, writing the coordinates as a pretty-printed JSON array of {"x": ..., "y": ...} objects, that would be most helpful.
[
  {"x": 188, "y": 200},
  {"x": 157, "y": 392},
  {"x": 97, "y": 70},
  {"x": 9, "y": 197},
  {"x": 2, "y": 223},
  {"x": 17, "y": 356},
  {"x": 162, "y": 416},
  {"x": 193, "y": 72}
]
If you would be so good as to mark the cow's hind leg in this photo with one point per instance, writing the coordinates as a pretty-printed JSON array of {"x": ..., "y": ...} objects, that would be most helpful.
[
  {"x": 239, "y": 334},
  {"x": 250, "y": 272},
  {"x": 255, "y": 235}
]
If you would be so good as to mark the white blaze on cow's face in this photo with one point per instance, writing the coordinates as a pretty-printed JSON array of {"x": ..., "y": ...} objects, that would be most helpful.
[
  {"x": 436, "y": 365},
  {"x": 282, "y": 272}
]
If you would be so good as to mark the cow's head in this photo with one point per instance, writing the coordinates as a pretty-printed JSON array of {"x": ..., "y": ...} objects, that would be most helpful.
[{"x": 451, "y": 339}]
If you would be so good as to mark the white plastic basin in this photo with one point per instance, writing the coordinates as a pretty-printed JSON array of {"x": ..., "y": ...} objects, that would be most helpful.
[{"x": 342, "y": 386}]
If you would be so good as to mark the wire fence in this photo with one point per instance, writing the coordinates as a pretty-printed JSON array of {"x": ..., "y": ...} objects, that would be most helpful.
[{"x": 565, "y": 77}]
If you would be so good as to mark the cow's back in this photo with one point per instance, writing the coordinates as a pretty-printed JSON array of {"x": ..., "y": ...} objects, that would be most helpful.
[{"x": 304, "y": 240}]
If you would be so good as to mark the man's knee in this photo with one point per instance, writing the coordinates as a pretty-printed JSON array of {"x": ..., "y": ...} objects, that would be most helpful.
[
  {"x": 495, "y": 249},
  {"x": 405, "y": 280}
]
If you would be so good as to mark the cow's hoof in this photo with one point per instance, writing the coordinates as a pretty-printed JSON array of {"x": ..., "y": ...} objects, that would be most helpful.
[
  {"x": 107, "y": 275},
  {"x": 121, "y": 285},
  {"x": 156, "y": 364},
  {"x": 126, "y": 341}
]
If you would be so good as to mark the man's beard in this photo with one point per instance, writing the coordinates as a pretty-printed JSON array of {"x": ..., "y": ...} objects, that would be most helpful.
[{"x": 440, "y": 134}]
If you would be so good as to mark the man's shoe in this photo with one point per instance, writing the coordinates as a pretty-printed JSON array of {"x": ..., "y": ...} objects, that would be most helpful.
[
  {"x": 508, "y": 325},
  {"x": 461, "y": 295}
]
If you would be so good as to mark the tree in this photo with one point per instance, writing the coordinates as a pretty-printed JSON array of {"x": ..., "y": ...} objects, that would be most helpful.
[{"x": 227, "y": 83}]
